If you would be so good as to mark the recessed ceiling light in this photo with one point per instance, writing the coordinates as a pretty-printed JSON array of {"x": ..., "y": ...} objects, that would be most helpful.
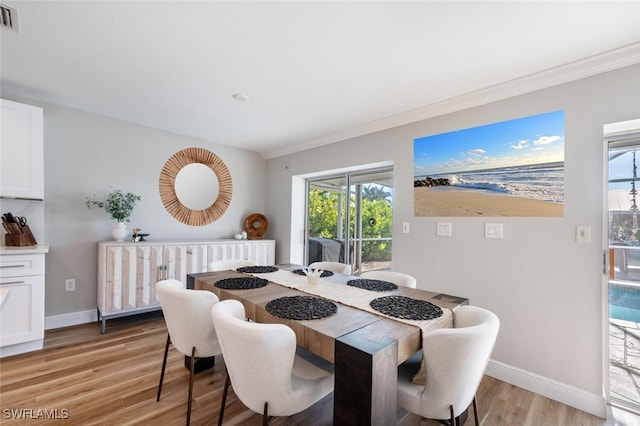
[{"x": 240, "y": 97}]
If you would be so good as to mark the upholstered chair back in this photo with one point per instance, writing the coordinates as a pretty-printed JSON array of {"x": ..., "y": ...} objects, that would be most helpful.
[{"x": 398, "y": 278}]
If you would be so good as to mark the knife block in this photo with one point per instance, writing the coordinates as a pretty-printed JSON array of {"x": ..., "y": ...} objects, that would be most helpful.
[{"x": 24, "y": 239}]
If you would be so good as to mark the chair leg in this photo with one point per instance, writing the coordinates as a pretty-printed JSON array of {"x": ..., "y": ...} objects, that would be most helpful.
[
  {"x": 453, "y": 419},
  {"x": 191, "y": 368},
  {"x": 164, "y": 364},
  {"x": 265, "y": 414},
  {"x": 227, "y": 382},
  {"x": 475, "y": 411}
]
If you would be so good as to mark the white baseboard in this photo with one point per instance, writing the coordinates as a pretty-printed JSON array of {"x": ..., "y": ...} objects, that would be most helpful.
[
  {"x": 561, "y": 392},
  {"x": 73, "y": 318}
]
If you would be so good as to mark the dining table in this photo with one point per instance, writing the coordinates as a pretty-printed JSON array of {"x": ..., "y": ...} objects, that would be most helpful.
[{"x": 365, "y": 344}]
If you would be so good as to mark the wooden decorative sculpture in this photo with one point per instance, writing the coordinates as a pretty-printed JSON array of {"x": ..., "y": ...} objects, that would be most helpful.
[{"x": 256, "y": 225}]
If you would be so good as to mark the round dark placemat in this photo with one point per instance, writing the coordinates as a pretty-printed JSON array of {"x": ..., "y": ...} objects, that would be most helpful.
[
  {"x": 374, "y": 285},
  {"x": 324, "y": 273},
  {"x": 241, "y": 283},
  {"x": 257, "y": 269},
  {"x": 301, "y": 308},
  {"x": 406, "y": 308}
]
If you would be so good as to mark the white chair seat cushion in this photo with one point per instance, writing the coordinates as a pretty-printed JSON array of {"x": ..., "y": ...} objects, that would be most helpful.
[
  {"x": 303, "y": 373},
  {"x": 408, "y": 392},
  {"x": 307, "y": 370}
]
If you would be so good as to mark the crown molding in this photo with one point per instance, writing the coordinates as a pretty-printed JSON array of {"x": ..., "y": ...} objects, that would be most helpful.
[{"x": 597, "y": 64}]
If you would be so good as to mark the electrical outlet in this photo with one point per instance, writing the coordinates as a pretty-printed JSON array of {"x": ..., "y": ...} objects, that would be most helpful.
[{"x": 70, "y": 284}]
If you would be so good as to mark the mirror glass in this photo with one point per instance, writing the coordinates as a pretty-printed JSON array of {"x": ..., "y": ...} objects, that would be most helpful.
[{"x": 196, "y": 186}]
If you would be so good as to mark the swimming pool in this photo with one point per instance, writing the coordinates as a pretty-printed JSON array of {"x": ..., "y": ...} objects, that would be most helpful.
[{"x": 624, "y": 302}]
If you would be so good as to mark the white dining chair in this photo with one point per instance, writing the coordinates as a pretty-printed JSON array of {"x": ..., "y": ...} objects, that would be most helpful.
[
  {"x": 187, "y": 314},
  {"x": 454, "y": 363},
  {"x": 398, "y": 278},
  {"x": 262, "y": 366},
  {"x": 225, "y": 265},
  {"x": 340, "y": 268}
]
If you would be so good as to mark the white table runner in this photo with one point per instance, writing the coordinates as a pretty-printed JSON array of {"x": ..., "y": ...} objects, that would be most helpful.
[{"x": 351, "y": 296}]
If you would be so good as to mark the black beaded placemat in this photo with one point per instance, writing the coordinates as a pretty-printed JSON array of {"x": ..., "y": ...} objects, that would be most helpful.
[
  {"x": 257, "y": 269},
  {"x": 301, "y": 308},
  {"x": 241, "y": 283},
  {"x": 374, "y": 285},
  {"x": 406, "y": 308},
  {"x": 324, "y": 273}
]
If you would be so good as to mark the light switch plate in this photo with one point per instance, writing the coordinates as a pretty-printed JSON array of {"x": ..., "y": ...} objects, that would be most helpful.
[
  {"x": 493, "y": 230},
  {"x": 583, "y": 234},
  {"x": 444, "y": 229},
  {"x": 405, "y": 227}
]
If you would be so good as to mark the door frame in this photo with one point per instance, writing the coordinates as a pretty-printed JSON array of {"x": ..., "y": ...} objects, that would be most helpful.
[
  {"x": 620, "y": 133},
  {"x": 351, "y": 184},
  {"x": 298, "y": 205}
]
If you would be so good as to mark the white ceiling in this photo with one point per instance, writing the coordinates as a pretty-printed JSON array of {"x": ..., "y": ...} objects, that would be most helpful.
[{"x": 315, "y": 72}]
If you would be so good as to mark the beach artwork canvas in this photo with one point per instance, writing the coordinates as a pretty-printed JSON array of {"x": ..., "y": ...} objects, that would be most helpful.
[{"x": 511, "y": 168}]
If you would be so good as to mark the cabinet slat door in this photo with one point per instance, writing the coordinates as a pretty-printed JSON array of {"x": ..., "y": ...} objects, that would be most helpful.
[
  {"x": 228, "y": 251},
  {"x": 261, "y": 252},
  {"x": 130, "y": 291},
  {"x": 156, "y": 266},
  {"x": 147, "y": 262},
  {"x": 131, "y": 273},
  {"x": 197, "y": 258},
  {"x": 112, "y": 295},
  {"x": 175, "y": 262}
]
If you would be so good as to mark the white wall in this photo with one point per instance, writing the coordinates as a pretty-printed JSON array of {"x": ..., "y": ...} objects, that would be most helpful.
[
  {"x": 544, "y": 286},
  {"x": 88, "y": 154}
]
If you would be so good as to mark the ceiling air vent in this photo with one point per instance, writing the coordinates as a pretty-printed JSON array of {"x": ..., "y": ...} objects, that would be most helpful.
[{"x": 9, "y": 18}]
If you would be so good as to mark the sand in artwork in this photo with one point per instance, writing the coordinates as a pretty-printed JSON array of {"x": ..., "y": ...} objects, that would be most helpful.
[{"x": 451, "y": 202}]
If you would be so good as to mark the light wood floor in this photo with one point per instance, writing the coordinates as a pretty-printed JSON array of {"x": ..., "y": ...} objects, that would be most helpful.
[{"x": 112, "y": 379}]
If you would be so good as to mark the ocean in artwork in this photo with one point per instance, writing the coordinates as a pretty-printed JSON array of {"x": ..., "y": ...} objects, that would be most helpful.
[{"x": 543, "y": 182}]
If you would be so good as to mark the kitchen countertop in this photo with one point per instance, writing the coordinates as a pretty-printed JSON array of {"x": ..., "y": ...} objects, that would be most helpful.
[{"x": 23, "y": 249}]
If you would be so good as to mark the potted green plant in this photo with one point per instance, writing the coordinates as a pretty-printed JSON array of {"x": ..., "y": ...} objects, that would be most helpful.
[{"x": 119, "y": 206}]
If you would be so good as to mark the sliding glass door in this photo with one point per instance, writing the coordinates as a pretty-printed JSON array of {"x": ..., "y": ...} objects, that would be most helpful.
[
  {"x": 349, "y": 219},
  {"x": 623, "y": 279}
]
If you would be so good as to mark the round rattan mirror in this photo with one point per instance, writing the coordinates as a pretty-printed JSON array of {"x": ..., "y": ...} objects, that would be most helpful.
[{"x": 181, "y": 182}]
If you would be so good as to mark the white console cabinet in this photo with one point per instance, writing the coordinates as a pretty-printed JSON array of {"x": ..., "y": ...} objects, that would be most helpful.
[
  {"x": 128, "y": 272},
  {"x": 21, "y": 299},
  {"x": 21, "y": 151}
]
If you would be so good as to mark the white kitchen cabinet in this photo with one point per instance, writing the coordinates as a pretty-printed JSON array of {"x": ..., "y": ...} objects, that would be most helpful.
[
  {"x": 22, "y": 294},
  {"x": 21, "y": 151},
  {"x": 128, "y": 271}
]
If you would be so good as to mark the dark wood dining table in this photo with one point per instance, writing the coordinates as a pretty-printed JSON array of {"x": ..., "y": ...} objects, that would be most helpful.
[{"x": 364, "y": 347}]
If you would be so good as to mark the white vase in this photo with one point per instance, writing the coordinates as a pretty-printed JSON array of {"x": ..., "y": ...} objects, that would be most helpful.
[{"x": 120, "y": 232}]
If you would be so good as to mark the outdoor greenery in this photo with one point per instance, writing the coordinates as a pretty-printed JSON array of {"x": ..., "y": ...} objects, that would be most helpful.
[
  {"x": 376, "y": 217},
  {"x": 118, "y": 205}
]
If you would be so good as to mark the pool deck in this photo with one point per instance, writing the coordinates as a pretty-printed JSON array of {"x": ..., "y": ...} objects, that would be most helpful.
[{"x": 624, "y": 355}]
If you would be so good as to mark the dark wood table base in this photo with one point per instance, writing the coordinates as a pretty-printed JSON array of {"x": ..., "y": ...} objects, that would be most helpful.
[{"x": 365, "y": 391}]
